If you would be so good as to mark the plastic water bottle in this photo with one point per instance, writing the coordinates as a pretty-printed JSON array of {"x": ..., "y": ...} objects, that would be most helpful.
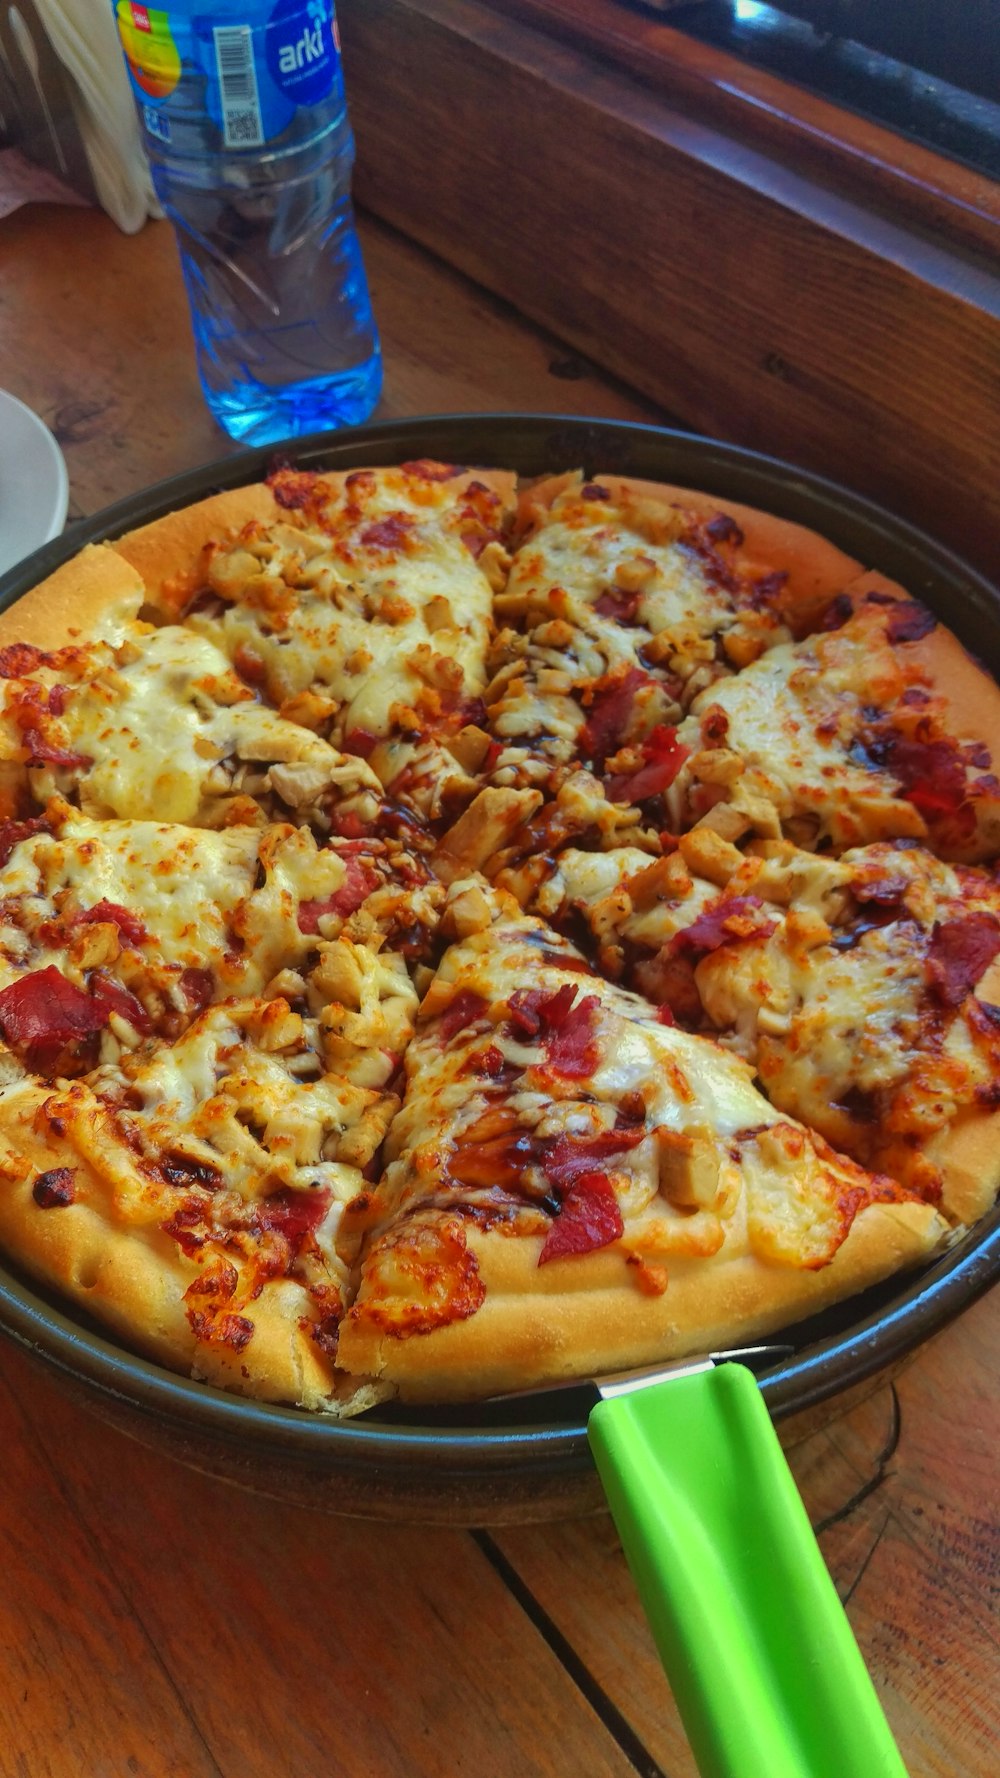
[{"x": 245, "y": 123}]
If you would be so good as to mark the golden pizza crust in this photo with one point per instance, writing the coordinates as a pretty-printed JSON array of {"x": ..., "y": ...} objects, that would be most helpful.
[
  {"x": 967, "y": 1155},
  {"x": 584, "y": 1315},
  {"x": 91, "y": 596},
  {"x": 168, "y": 554},
  {"x": 118, "y": 1264}
]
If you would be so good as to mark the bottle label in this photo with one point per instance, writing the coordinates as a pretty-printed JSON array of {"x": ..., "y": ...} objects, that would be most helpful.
[
  {"x": 303, "y": 50},
  {"x": 239, "y": 100},
  {"x": 246, "y": 70},
  {"x": 151, "y": 53}
]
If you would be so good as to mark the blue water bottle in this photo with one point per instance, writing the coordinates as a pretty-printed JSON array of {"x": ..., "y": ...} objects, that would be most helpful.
[{"x": 245, "y": 124}]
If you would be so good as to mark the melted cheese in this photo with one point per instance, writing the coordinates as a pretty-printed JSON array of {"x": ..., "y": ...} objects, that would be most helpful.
[
  {"x": 375, "y": 625},
  {"x": 601, "y": 885},
  {"x": 227, "y": 903},
  {"x": 641, "y": 553},
  {"x": 845, "y": 1037},
  {"x": 245, "y": 1090},
  {"x": 704, "y": 1148},
  {"x": 168, "y": 732},
  {"x": 793, "y": 717}
]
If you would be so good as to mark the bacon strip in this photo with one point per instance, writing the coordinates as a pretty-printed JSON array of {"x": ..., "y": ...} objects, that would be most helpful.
[
  {"x": 42, "y": 1013},
  {"x": 295, "y": 1215},
  {"x": 960, "y": 952},
  {"x": 197, "y": 986},
  {"x": 392, "y": 532},
  {"x": 466, "y": 1007},
  {"x": 606, "y": 727},
  {"x": 112, "y": 997},
  {"x": 359, "y": 881},
  {"x": 715, "y": 925},
  {"x": 566, "y": 1029},
  {"x": 42, "y": 752},
  {"x": 360, "y": 741},
  {"x": 589, "y": 1217},
  {"x": 534, "y": 1010},
  {"x": 129, "y": 925},
  {"x": 931, "y": 774},
  {"x": 663, "y": 756},
  {"x": 909, "y": 621},
  {"x": 567, "y": 1157},
  {"x": 618, "y": 603},
  {"x": 13, "y": 832}
]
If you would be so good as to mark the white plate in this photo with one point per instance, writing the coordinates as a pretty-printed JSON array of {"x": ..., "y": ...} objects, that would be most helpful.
[{"x": 34, "y": 485}]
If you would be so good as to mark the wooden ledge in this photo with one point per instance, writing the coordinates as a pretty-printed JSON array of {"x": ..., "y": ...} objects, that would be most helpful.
[
  {"x": 845, "y": 151},
  {"x": 751, "y": 298}
]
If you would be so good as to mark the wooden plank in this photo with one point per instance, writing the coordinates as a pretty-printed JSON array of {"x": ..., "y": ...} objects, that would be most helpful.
[
  {"x": 157, "y": 1622},
  {"x": 83, "y": 1687},
  {"x": 750, "y": 302},
  {"x": 863, "y": 159},
  {"x": 913, "y": 1542}
]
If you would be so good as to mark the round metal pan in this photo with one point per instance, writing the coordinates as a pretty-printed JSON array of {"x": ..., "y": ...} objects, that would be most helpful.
[{"x": 516, "y": 1461}]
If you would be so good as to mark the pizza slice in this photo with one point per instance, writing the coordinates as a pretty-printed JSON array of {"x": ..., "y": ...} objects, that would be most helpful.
[
  {"x": 875, "y": 728},
  {"x": 363, "y": 612},
  {"x": 572, "y": 1185},
  {"x": 702, "y": 586},
  {"x": 859, "y": 988},
  {"x": 867, "y": 1004},
  {"x": 624, "y": 603},
  {"x": 190, "y": 1199},
  {"x": 159, "y": 727},
  {"x": 115, "y": 935}
]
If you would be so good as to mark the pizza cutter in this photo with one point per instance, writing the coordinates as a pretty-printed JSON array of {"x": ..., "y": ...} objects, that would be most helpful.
[{"x": 761, "y": 1659}]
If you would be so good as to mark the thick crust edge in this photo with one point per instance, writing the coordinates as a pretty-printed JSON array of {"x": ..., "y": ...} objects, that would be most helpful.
[
  {"x": 168, "y": 553},
  {"x": 93, "y": 595},
  {"x": 133, "y": 1278},
  {"x": 580, "y": 1316}
]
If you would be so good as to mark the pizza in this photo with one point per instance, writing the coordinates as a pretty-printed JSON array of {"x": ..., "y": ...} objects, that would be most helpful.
[{"x": 458, "y": 933}]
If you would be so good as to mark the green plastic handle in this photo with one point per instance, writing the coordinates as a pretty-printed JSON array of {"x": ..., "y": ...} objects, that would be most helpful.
[{"x": 762, "y": 1661}]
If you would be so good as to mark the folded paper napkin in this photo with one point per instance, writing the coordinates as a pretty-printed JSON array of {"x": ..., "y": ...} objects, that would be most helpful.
[{"x": 85, "y": 39}]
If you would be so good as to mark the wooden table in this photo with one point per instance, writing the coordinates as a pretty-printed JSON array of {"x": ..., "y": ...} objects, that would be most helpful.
[{"x": 155, "y": 1623}]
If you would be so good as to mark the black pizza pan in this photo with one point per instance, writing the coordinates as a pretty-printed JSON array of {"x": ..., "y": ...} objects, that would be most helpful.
[{"x": 516, "y": 1461}]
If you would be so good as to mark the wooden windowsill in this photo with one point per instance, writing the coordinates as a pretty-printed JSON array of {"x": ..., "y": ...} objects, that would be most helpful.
[
  {"x": 765, "y": 267},
  {"x": 860, "y": 158}
]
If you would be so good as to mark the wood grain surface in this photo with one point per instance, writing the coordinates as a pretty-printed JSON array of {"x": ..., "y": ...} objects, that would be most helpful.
[
  {"x": 158, "y": 1623},
  {"x": 863, "y": 159},
  {"x": 749, "y": 297}
]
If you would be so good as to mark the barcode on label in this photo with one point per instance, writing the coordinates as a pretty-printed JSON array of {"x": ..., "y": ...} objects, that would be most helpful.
[{"x": 241, "y": 120}]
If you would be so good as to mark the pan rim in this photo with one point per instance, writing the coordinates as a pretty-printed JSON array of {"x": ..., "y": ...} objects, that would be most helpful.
[{"x": 932, "y": 1297}]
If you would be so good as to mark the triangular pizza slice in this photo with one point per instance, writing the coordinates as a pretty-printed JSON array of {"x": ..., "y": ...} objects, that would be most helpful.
[
  {"x": 189, "y": 1196},
  {"x": 624, "y": 603},
  {"x": 115, "y": 935},
  {"x": 365, "y": 613},
  {"x": 860, "y": 988},
  {"x": 876, "y": 728},
  {"x": 198, "y": 1066},
  {"x": 572, "y": 1184}
]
